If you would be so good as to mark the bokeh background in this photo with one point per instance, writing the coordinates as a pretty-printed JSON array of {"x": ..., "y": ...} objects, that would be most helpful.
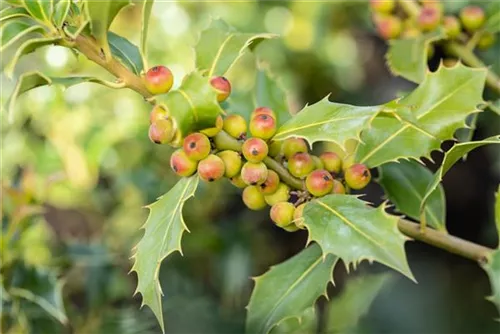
[{"x": 77, "y": 168}]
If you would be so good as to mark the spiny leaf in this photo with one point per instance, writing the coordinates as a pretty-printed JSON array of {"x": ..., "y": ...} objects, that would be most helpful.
[
  {"x": 306, "y": 324},
  {"x": 407, "y": 57},
  {"x": 492, "y": 268},
  {"x": 60, "y": 12},
  {"x": 288, "y": 289},
  {"x": 126, "y": 52},
  {"x": 405, "y": 183},
  {"x": 495, "y": 106},
  {"x": 220, "y": 46},
  {"x": 346, "y": 226},
  {"x": 13, "y": 12},
  {"x": 450, "y": 158},
  {"x": 16, "y": 29},
  {"x": 328, "y": 121},
  {"x": 40, "y": 10},
  {"x": 440, "y": 106},
  {"x": 346, "y": 309},
  {"x": 147, "y": 5},
  {"x": 162, "y": 236}
]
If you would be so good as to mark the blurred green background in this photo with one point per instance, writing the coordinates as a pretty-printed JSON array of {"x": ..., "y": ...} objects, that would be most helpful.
[{"x": 77, "y": 168}]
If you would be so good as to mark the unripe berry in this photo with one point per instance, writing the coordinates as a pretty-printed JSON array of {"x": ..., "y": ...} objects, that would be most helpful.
[
  {"x": 158, "y": 80},
  {"x": 291, "y": 228},
  {"x": 232, "y": 162},
  {"x": 222, "y": 87},
  {"x": 274, "y": 148},
  {"x": 486, "y": 40},
  {"x": 211, "y": 168},
  {"x": 181, "y": 164},
  {"x": 452, "y": 26},
  {"x": 450, "y": 62},
  {"x": 197, "y": 146},
  {"x": 161, "y": 131},
  {"x": 253, "y": 198},
  {"x": 254, "y": 149},
  {"x": 291, "y": 146},
  {"x": 300, "y": 165},
  {"x": 212, "y": 132},
  {"x": 411, "y": 33},
  {"x": 263, "y": 110},
  {"x": 338, "y": 187},
  {"x": 389, "y": 27},
  {"x": 357, "y": 176},
  {"x": 331, "y": 161},
  {"x": 236, "y": 126},
  {"x": 319, "y": 182},
  {"x": 238, "y": 182},
  {"x": 254, "y": 173},
  {"x": 262, "y": 126},
  {"x": 472, "y": 17},
  {"x": 282, "y": 213},
  {"x": 298, "y": 218},
  {"x": 429, "y": 18},
  {"x": 280, "y": 195},
  {"x": 158, "y": 112},
  {"x": 318, "y": 164},
  {"x": 383, "y": 6},
  {"x": 271, "y": 184}
]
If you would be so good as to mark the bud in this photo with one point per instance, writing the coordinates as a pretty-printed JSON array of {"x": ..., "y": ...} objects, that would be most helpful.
[
  {"x": 161, "y": 131},
  {"x": 158, "y": 112},
  {"x": 253, "y": 198},
  {"x": 472, "y": 17},
  {"x": 338, "y": 188},
  {"x": 389, "y": 27},
  {"x": 254, "y": 173},
  {"x": 357, "y": 176},
  {"x": 383, "y": 6},
  {"x": 452, "y": 26},
  {"x": 222, "y": 87},
  {"x": 254, "y": 149},
  {"x": 429, "y": 18},
  {"x": 486, "y": 40},
  {"x": 262, "y": 126},
  {"x": 300, "y": 165},
  {"x": 212, "y": 132},
  {"x": 271, "y": 184},
  {"x": 232, "y": 162},
  {"x": 319, "y": 183},
  {"x": 331, "y": 161},
  {"x": 282, "y": 213},
  {"x": 211, "y": 168},
  {"x": 158, "y": 80},
  {"x": 291, "y": 146},
  {"x": 263, "y": 110},
  {"x": 181, "y": 164},
  {"x": 280, "y": 195},
  {"x": 197, "y": 146},
  {"x": 236, "y": 126}
]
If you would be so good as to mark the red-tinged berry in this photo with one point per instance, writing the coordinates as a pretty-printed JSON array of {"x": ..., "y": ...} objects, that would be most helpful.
[
  {"x": 238, "y": 182},
  {"x": 211, "y": 168},
  {"x": 486, "y": 40},
  {"x": 181, "y": 164},
  {"x": 253, "y": 198},
  {"x": 271, "y": 184},
  {"x": 262, "y": 126},
  {"x": 263, "y": 110},
  {"x": 389, "y": 27},
  {"x": 254, "y": 149},
  {"x": 282, "y": 213},
  {"x": 158, "y": 80},
  {"x": 472, "y": 18},
  {"x": 298, "y": 218},
  {"x": 383, "y": 6},
  {"x": 236, "y": 126},
  {"x": 429, "y": 18},
  {"x": 232, "y": 162},
  {"x": 331, "y": 162},
  {"x": 338, "y": 188},
  {"x": 357, "y": 176},
  {"x": 292, "y": 146},
  {"x": 222, "y": 87},
  {"x": 319, "y": 182},
  {"x": 212, "y": 132},
  {"x": 300, "y": 165},
  {"x": 452, "y": 26},
  {"x": 197, "y": 146},
  {"x": 254, "y": 173},
  {"x": 161, "y": 131},
  {"x": 280, "y": 195},
  {"x": 158, "y": 112}
]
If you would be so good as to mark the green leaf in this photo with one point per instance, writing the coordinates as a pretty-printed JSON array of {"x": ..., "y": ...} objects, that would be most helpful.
[
  {"x": 466, "y": 134},
  {"x": 101, "y": 15},
  {"x": 220, "y": 46},
  {"x": 440, "y": 106},
  {"x": 41, "y": 10},
  {"x": 269, "y": 93},
  {"x": 405, "y": 183},
  {"x": 193, "y": 106},
  {"x": 407, "y": 57},
  {"x": 493, "y": 17},
  {"x": 16, "y": 29},
  {"x": 126, "y": 52},
  {"x": 345, "y": 310},
  {"x": 346, "y": 226},
  {"x": 147, "y": 5},
  {"x": 288, "y": 289},
  {"x": 492, "y": 268},
  {"x": 61, "y": 12},
  {"x": 162, "y": 236},
  {"x": 328, "y": 121},
  {"x": 13, "y": 12},
  {"x": 306, "y": 324},
  {"x": 495, "y": 106},
  {"x": 449, "y": 159},
  {"x": 497, "y": 214}
]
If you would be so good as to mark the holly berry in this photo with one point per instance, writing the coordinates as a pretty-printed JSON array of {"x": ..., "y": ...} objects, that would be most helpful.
[
  {"x": 411, "y": 32},
  {"x": 158, "y": 80},
  {"x": 181, "y": 164},
  {"x": 212, "y": 132},
  {"x": 211, "y": 168},
  {"x": 389, "y": 27},
  {"x": 262, "y": 126},
  {"x": 450, "y": 62},
  {"x": 161, "y": 131},
  {"x": 236, "y": 126},
  {"x": 254, "y": 149},
  {"x": 222, "y": 87},
  {"x": 291, "y": 146},
  {"x": 298, "y": 218},
  {"x": 282, "y": 213},
  {"x": 280, "y": 195},
  {"x": 158, "y": 112},
  {"x": 232, "y": 162},
  {"x": 238, "y": 182},
  {"x": 271, "y": 184},
  {"x": 254, "y": 173},
  {"x": 319, "y": 182},
  {"x": 383, "y": 6},
  {"x": 452, "y": 26},
  {"x": 429, "y": 18},
  {"x": 486, "y": 40},
  {"x": 357, "y": 176},
  {"x": 331, "y": 161},
  {"x": 197, "y": 146},
  {"x": 300, "y": 165},
  {"x": 338, "y": 187},
  {"x": 263, "y": 110},
  {"x": 472, "y": 17},
  {"x": 253, "y": 198},
  {"x": 290, "y": 228},
  {"x": 318, "y": 164},
  {"x": 274, "y": 148}
]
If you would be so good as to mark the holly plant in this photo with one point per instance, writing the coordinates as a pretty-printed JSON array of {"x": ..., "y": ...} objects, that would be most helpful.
[{"x": 268, "y": 151}]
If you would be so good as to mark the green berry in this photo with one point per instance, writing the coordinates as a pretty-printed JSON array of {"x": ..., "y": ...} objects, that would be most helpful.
[
  {"x": 429, "y": 18},
  {"x": 238, "y": 182},
  {"x": 158, "y": 80},
  {"x": 161, "y": 131},
  {"x": 318, "y": 164},
  {"x": 383, "y": 6},
  {"x": 280, "y": 195},
  {"x": 452, "y": 26},
  {"x": 331, "y": 162},
  {"x": 357, "y": 176},
  {"x": 319, "y": 182},
  {"x": 300, "y": 165},
  {"x": 232, "y": 162},
  {"x": 262, "y": 126},
  {"x": 263, "y": 110},
  {"x": 212, "y": 132},
  {"x": 338, "y": 187},
  {"x": 291, "y": 146},
  {"x": 282, "y": 213},
  {"x": 197, "y": 146},
  {"x": 253, "y": 198},
  {"x": 389, "y": 27},
  {"x": 254, "y": 173},
  {"x": 472, "y": 18},
  {"x": 298, "y": 218},
  {"x": 236, "y": 126},
  {"x": 290, "y": 228},
  {"x": 486, "y": 40},
  {"x": 254, "y": 149},
  {"x": 181, "y": 164},
  {"x": 274, "y": 148},
  {"x": 158, "y": 112},
  {"x": 271, "y": 184},
  {"x": 450, "y": 62},
  {"x": 222, "y": 87},
  {"x": 211, "y": 168}
]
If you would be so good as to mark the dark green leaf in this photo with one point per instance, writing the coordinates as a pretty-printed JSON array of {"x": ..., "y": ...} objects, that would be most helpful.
[
  {"x": 347, "y": 227},
  {"x": 162, "y": 236},
  {"x": 405, "y": 183},
  {"x": 495, "y": 106},
  {"x": 288, "y": 289},
  {"x": 60, "y": 12},
  {"x": 15, "y": 30},
  {"x": 126, "y": 52},
  {"x": 147, "y": 5},
  {"x": 40, "y": 9},
  {"x": 13, "y": 12},
  {"x": 220, "y": 46}
]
